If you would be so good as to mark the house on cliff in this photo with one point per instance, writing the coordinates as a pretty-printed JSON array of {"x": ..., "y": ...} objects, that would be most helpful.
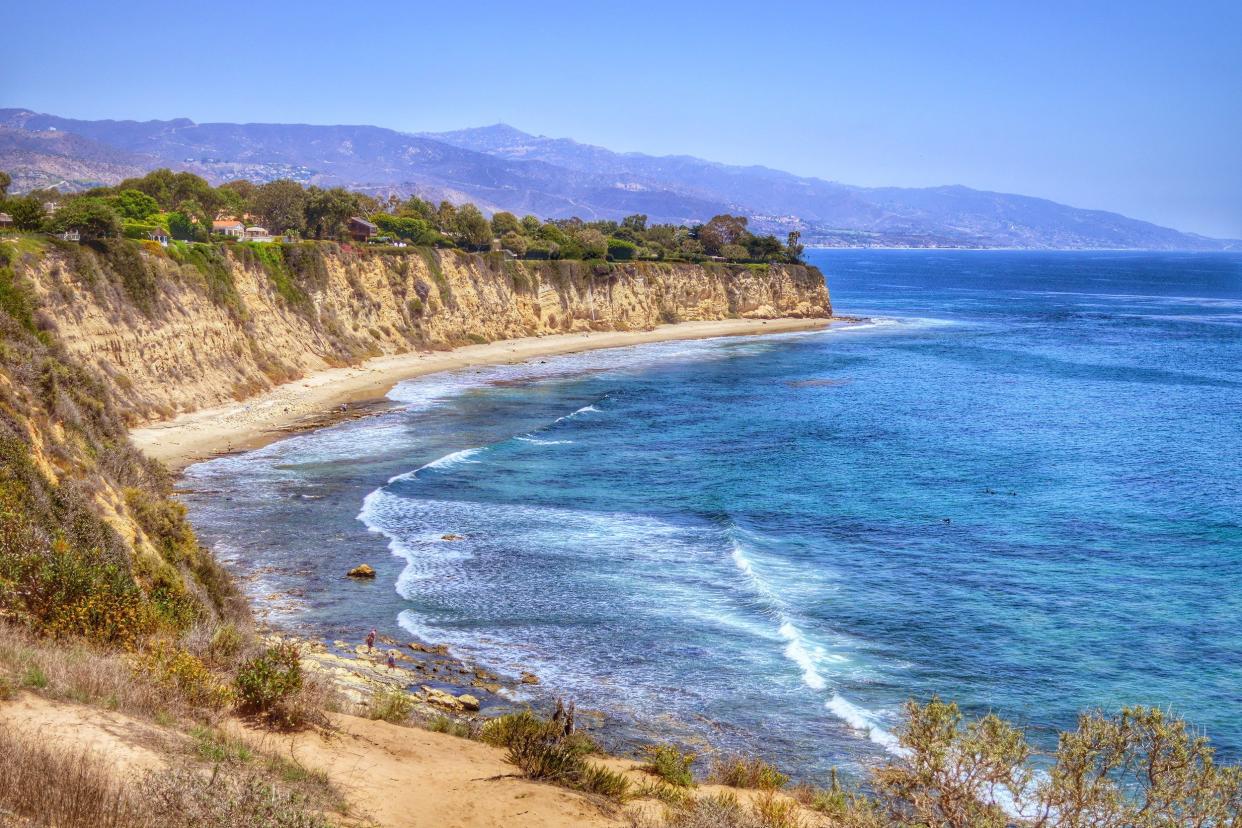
[
  {"x": 228, "y": 226},
  {"x": 361, "y": 230}
]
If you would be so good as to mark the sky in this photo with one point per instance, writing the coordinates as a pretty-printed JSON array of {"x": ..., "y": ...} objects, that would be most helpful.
[{"x": 1131, "y": 106}]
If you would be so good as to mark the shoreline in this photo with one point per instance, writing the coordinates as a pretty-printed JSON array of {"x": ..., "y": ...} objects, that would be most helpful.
[{"x": 325, "y": 397}]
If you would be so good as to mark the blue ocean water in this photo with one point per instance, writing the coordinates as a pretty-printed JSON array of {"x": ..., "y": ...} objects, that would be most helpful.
[{"x": 1018, "y": 486}]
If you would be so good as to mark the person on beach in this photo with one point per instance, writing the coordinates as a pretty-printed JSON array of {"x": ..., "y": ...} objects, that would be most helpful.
[
  {"x": 392, "y": 661},
  {"x": 370, "y": 641}
]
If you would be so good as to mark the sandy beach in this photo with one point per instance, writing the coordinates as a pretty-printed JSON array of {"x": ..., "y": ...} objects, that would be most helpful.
[{"x": 316, "y": 399}]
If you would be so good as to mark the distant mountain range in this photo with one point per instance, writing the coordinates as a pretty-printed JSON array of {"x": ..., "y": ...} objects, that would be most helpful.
[{"x": 502, "y": 168}]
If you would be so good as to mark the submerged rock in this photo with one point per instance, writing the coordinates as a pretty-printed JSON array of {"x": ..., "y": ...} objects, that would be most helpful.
[
  {"x": 451, "y": 537},
  {"x": 530, "y": 678},
  {"x": 361, "y": 571}
]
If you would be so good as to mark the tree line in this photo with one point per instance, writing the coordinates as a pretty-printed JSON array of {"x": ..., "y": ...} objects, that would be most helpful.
[{"x": 183, "y": 205}]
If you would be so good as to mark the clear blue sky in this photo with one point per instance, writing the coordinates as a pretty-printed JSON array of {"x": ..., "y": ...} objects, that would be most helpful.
[{"x": 1128, "y": 106}]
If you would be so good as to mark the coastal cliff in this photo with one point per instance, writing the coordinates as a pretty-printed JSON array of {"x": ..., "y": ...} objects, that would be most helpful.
[{"x": 188, "y": 327}]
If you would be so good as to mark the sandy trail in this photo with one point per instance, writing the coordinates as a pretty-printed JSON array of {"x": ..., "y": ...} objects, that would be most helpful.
[
  {"x": 251, "y": 423},
  {"x": 399, "y": 777}
]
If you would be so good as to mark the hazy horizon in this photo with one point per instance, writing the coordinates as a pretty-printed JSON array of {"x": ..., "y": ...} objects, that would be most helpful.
[{"x": 1131, "y": 109}]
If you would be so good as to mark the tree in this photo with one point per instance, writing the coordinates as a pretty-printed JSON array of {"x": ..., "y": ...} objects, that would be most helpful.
[
  {"x": 181, "y": 227},
  {"x": 593, "y": 243},
  {"x": 92, "y": 218},
  {"x": 178, "y": 191},
  {"x": 765, "y": 247},
  {"x": 328, "y": 210},
  {"x": 27, "y": 212},
  {"x": 636, "y": 223},
  {"x": 446, "y": 217},
  {"x": 282, "y": 205},
  {"x": 5, "y": 182},
  {"x": 474, "y": 230},
  {"x": 418, "y": 208},
  {"x": 514, "y": 243},
  {"x": 531, "y": 225},
  {"x": 1138, "y": 769},
  {"x": 792, "y": 247},
  {"x": 721, "y": 230},
  {"x": 237, "y": 196},
  {"x": 415, "y": 230},
  {"x": 134, "y": 205},
  {"x": 503, "y": 223}
]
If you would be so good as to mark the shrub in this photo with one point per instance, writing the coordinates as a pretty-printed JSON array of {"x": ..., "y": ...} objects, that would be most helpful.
[
  {"x": 124, "y": 259},
  {"x": 670, "y": 764},
  {"x": 184, "y": 674},
  {"x": 740, "y": 772},
  {"x": 393, "y": 706},
  {"x": 34, "y": 678},
  {"x": 445, "y": 724},
  {"x": 211, "y": 745},
  {"x": 506, "y": 730},
  {"x": 267, "y": 684},
  {"x": 226, "y": 643},
  {"x": 621, "y": 250},
  {"x": 544, "y": 751},
  {"x": 213, "y": 265}
]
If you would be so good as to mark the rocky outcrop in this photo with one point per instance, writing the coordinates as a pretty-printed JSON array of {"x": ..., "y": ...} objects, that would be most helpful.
[{"x": 187, "y": 328}]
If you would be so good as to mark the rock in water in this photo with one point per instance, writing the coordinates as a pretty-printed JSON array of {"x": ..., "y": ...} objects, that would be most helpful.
[{"x": 361, "y": 571}]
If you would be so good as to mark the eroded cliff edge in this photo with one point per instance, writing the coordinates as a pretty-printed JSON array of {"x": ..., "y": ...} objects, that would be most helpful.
[{"x": 190, "y": 327}]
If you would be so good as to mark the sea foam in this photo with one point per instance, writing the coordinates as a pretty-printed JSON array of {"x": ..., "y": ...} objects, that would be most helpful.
[{"x": 808, "y": 656}]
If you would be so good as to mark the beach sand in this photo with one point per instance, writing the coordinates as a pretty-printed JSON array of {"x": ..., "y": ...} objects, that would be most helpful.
[{"x": 317, "y": 399}]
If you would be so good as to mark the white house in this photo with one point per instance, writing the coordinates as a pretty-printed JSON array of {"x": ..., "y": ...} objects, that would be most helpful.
[
  {"x": 160, "y": 235},
  {"x": 229, "y": 227},
  {"x": 257, "y": 234}
]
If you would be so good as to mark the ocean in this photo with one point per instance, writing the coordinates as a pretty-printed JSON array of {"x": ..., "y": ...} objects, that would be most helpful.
[{"x": 1017, "y": 486}]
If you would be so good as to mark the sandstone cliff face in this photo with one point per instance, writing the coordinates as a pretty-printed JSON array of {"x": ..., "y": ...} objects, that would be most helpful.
[{"x": 178, "y": 331}]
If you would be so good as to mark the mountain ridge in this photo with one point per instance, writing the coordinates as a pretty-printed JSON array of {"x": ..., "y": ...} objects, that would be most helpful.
[{"x": 500, "y": 167}]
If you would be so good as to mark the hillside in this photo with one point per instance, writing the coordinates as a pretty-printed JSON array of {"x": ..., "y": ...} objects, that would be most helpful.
[
  {"x": 63, "y": 160},
  {"x": 501, "y": 168}
]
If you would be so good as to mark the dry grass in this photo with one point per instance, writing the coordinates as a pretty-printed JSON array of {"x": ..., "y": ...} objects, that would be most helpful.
[
  {"x": 76, "y": 671},
  {"x": 724, "y": 811},
  {"x": 40, "y": 786}
]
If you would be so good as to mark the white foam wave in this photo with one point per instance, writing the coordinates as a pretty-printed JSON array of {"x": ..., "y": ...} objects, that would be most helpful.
[
  {"x": 586, "y": 409},
  {"x": 526, "y": 438},
  {"x": 864, "y": 720},
  {"x": 448, "y": 461},
  {"x": 808, "y": 656}
]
